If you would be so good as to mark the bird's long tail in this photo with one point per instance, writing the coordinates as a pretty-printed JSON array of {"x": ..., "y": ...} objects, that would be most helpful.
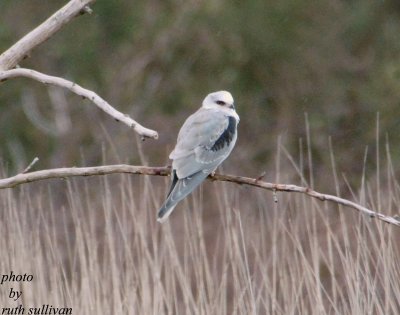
[{"x": 180, "y": 188}]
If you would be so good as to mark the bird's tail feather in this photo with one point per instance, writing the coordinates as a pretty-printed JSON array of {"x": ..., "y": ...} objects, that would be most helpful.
[
  {"x": 164, "y": 212},
  {"x": 182, "y": 188}
]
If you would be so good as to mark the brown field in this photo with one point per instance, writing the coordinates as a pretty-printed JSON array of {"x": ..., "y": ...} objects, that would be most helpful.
[{"x": 93, "y": 244}]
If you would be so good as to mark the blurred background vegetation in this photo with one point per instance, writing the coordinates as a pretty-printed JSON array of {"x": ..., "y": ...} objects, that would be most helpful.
[
  {"x": 329, "y": 66},
  {"x": 334, "y": 61}
]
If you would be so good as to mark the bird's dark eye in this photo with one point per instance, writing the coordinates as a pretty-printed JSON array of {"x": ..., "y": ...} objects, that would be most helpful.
[{"x": 220, "y": 102}]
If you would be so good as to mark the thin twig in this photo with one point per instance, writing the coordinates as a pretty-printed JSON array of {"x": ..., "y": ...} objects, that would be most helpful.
[
  {"x": 77, "y": 89},
  {"x": 165, "y": 171},
  {"x": 26, "y": 170}
]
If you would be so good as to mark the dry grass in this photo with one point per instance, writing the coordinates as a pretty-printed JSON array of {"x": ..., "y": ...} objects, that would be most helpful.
[{"x": 93, "y": 244}]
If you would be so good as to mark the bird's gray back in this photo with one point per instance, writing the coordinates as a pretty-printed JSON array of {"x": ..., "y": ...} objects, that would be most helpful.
[{"x": 204, "y": 141}]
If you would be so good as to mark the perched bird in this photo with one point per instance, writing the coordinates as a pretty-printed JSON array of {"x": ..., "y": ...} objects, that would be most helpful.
[{"x": 205, "y": 140}]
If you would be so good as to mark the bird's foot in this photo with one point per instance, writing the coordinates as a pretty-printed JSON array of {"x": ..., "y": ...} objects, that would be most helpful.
[{"x": 212, "y": 176}]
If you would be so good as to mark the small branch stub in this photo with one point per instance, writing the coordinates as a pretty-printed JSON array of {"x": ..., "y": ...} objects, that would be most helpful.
[
  {"x": 275, "y": 196},
  {"x": 87, "y": 10},
  {"x": 28, "y": 168}
]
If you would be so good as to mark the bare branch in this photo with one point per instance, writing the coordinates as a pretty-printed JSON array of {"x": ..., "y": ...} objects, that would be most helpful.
[
  {"x": 12, "y": 56},
  {"x": 305, "y": 190},
  {"x": 165, "y": 171},
  {"x": 77, "y": 89},
  {"x": 24, "y": 178}
]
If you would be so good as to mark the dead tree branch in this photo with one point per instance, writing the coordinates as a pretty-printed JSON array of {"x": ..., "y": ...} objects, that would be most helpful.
[
  {"x": 77, "y": 89},
  {"x": 12, "y": 56},
  {"x": 21, "y": 49},
  {"x": 23, "y": 178}
]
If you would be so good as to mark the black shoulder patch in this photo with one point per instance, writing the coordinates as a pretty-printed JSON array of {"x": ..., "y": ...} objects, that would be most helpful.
[{"x": 226, "y": 137}]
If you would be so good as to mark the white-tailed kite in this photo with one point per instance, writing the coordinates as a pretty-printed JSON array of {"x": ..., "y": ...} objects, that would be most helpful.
[{"x": 205, "y": 140}]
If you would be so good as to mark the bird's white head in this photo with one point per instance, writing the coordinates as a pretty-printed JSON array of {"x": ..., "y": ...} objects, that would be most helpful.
[{"x": 219, "y": 100}]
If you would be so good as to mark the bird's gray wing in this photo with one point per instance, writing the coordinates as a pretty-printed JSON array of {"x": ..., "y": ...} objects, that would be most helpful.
[
  {"x": 204, "y": 141},
  {"x": 202, "y": 127}
]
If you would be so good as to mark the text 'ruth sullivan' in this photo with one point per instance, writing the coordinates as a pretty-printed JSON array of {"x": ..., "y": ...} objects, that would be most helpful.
[
  {"x": 45, "y": 309},
  {"x": 15, "y": 295}
]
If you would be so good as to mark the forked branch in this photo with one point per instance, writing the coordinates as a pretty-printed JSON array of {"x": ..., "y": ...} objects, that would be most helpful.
[{"x": 23, "y": 178}]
